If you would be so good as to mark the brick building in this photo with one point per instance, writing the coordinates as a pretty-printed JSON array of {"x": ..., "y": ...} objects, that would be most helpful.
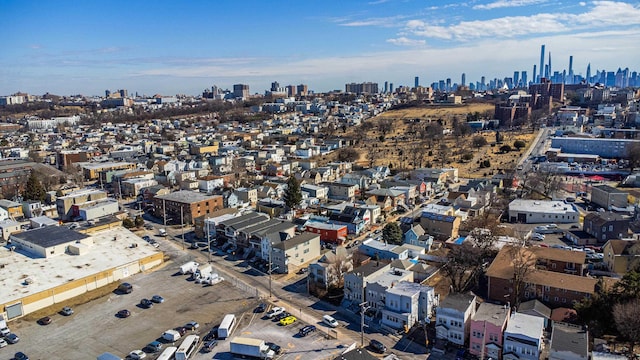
[{"x": 187, "y": 205}]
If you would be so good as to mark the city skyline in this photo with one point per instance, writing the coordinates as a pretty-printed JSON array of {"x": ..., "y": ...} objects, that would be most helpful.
[{"x": 170, "y": 48}]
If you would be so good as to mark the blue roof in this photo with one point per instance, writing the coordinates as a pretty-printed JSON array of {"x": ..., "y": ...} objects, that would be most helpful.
[{"x": 438, "y": 217}]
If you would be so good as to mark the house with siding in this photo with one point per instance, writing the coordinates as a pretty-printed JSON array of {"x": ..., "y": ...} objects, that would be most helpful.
[
  {"x": 453, "y": 318},
  {"x": 523, "y": 337},
  {"x": 487, "y": 329}
]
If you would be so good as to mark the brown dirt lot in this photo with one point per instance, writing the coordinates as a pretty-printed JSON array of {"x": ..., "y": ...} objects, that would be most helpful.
[{"x": 406, "y": 145}]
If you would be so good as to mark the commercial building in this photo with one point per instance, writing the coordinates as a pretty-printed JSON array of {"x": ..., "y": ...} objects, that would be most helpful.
[
  {"x": 603, "y": 147},
  {"x": 64, "y": 204},
  {"x": 609, "y": 197},
  {"x": 184, "y": 206},
  {"x": 33, "y": 278},
  {"x": 541, "y": 211}
]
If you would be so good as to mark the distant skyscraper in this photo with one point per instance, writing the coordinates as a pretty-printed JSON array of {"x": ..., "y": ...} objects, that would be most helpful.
[
  {"x": 448, "y": 84},
  {"x": 386, "y": 87},
  {"x": 483, "y": 83},
  {"x": 550, "y": 71},
  {"x": 546, "y": 72},
  {"x": 464, "y": 79},
  {"x": 241, "y": 91},
  {"x": 534, "y": 73},
  {"x": 391, "y": 87},
  {"x": 416, "y": 82},
  {"x": 524, "y": 79},
  {"x": 588, "y": 73},
  {"x": 302, "y": 90},
  {"x": 516, "y": 79},
  {"x": 570, "y": 69},
  {"x": 541, "y": 62}
]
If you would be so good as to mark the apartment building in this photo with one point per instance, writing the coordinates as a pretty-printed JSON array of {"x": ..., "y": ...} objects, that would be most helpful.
[{"x": 184, "y": 206}]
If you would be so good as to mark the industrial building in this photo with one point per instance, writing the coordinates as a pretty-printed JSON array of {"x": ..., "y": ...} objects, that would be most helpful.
[{"x": 49, "y": 265}]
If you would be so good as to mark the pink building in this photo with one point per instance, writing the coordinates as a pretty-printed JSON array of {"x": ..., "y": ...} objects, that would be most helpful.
[{"x": 487, "y": 326}]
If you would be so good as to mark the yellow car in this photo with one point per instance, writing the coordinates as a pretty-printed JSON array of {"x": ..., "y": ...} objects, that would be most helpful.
[{"x": 288, "y": 320}]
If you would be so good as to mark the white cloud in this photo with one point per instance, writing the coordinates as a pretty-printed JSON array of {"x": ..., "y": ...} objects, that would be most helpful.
[
  {"x": 403, "y": 41},
  {"x": 391, "y": 21},
  {"x": 582, "y": 3},
  {"x": 507, "y": 3},
  {"x": 603, "y": 14},
  {"x": 378, "y": 2}
]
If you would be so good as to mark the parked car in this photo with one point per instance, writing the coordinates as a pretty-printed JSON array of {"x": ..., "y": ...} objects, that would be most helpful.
[
  {"x": 282, "y": 316},
  {"x": 123, "y": 314},
  {"x": 136, "y": 355},
  {"x": 192, "y": 325},
  {"x": 377, "y": 346},
  {"x": 20, "y": 356},
  {"x": 288, "y": 320},
  {"x": 44, "y": 321},
  {"x": 209, "y": 345},
  {"x": 12, "y": 338},
  {"x": 211, "y": 335},
  {"x": 153, "y": 347},
  {"x": 125, "y": 288},
  {"x": 302, "y": 270},
  {"x": 66, "y": 311},
  {"x": 182, "y": 330},
  {"x": 146, "y": 238},
  {"x": 275, "y": 311},
  {"x": 146, "y": 303},
  {"x": 306, "y": 330},
  {"x": 157, "y": 299},
  {"x": 3, "y": 343},
  {"x": 260, "y": 308}
]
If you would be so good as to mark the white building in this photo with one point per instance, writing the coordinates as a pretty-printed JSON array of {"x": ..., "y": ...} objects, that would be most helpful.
[
  {"x": 523, "y": 337},
  {"x": 95, "y": 209},
  {"x": 406, "y": 304},
  {"x": 541, "y": 211},
  {"x": 453, "y": 317}
]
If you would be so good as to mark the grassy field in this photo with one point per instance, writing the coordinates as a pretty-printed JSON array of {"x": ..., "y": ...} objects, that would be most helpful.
[{"x": 404, "y": 144}]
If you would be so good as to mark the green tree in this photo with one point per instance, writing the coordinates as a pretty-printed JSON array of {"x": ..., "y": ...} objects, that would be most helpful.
[
  {"x": 505, "y": 148},
  {"x": 34, "y": 189},
  {"x": 128, "y": 223},
  {"x": 293, "y": 195},
  {"x": 519, "y": 144},
  {"x": 391, "y": 233},
  {"x": 139, "y": 221}
]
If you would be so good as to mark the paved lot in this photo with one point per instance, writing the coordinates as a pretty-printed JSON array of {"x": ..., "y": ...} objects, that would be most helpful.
[{"x": 94, "y": 328}]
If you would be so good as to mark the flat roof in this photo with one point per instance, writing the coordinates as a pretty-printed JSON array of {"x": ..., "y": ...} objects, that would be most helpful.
[
  {"x": 186, "y": 196},
  {"x": 50, "y": 236},
  {"x": 48, "y": 273},
  {"x": 542, "y": 206},
  {"x": 527, "y": 325}
]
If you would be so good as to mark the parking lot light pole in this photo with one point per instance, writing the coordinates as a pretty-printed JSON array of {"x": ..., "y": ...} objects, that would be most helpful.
[{"x": 270, "y": 251}]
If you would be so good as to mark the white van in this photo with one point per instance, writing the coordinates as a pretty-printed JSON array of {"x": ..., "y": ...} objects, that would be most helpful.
[
  {"x": 171, "y": 335},
  {"x": 330, "y": 321}
]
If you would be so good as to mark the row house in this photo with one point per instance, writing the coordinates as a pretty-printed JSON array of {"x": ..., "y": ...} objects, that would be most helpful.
[
  {"x": 569, "y": 342},
  {"x": 356, "y": 219},
  {"x": 247, "y": 195},
  {"x": 486, "y": 330},
  {"x": 453, "y": 318},
  {"x": 355, "y": 281},
  {"x": 387, "y": 199},
  {"x": 229, "y": 229},
  {"x": 523, "y": 337},
  {"x": 378, "y": 285}
]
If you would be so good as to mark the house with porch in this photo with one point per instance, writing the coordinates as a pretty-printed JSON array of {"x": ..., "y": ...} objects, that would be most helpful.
[
  {"x": 486, "y": 330},
  {"x": 523, "y": 337},
  {"x": 453, "y": 318}
]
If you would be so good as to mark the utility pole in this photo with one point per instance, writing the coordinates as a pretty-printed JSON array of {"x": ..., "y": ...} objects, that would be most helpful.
[
  {"x": 270, "y": 251},
  {"x": 208, "y": 241},
  {"x": 363, "y": 309},
  {"x": 164, "y": 213},
  {"x": 182, "y": 224}
]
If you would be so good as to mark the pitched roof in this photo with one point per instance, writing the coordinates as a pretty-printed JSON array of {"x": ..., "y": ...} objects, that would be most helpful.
[{"x": 624, "y": 247}]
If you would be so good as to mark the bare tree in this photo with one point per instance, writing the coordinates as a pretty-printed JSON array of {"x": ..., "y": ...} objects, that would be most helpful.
[
  {"x": 627, "y": 319},
  {"x": 463, "y": 261},
  {"x": 523, "y": 262},
  {"x": 339, "y": 264}
]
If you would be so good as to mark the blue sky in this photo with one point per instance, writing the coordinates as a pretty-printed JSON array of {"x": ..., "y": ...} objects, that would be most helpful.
[{"x": 170, "y": 47}]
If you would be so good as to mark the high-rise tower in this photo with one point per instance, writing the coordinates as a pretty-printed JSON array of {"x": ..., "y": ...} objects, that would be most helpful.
[
  {"x": 416, "y": 82},
  {"x": 541, "y": 62},
  {"x": 570, "y": 69},
  {"x": 550, "y": 71},
  {"x": 464, "y": 79},
  {"x": 588, "y": 73}
]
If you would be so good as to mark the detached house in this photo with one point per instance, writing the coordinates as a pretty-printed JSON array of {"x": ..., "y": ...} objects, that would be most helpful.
[
  {"x": 606, "y": 226},
  {"x": 620, "y": 256}
]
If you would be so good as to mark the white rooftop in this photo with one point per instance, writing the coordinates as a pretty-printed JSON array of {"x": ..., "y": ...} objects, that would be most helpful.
[
  {"x": 104, "y": 254},
  {"x": 542, "y": 206},
  {"x": 527, "y": 325}
]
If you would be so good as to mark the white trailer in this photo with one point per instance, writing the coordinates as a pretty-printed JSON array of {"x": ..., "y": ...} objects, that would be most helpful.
[
  {"x": 251, "y": 347},
  {"x": 213, "y": 279},
  {"x": 189, "y": 267}
]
